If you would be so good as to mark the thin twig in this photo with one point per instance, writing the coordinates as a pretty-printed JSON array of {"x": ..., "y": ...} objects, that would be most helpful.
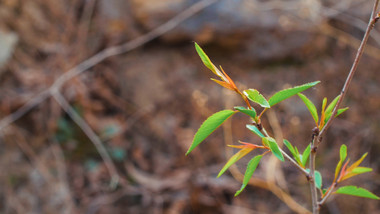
[
  {"x": 288, "y": 157},
  {"x": 102, "y": 55},
  {"x": 371, "y": 24},
  {"x": 91, "y": 135},
  {"x": 329, "y": 192}
]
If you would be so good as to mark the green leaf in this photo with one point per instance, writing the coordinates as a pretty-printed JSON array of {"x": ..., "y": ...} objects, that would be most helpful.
[
  {"x": 255, "y": 96},
  {"x": 252, "y": 165},
  {"x": 255, "y": 130},
  {"x": 318, "y": 179},
  {"x": 286, "y": 93},
  {"x": 356, "y": 171},
  {"x": 340, "y": 111},
  {"x": 357, "y": 191},
  {"x": 290, "y": 147},
  {"x": 204, "y": 57},
  {"x": 273, "y": 147},
  {"x": 234, "y": 158},
  {"x": 297, "y": 156},
  {"x": 343, "y": 155},
  {"x": 343, "y": 152},
  {"x": 209, "y": 126},
  {"x": 305, "y": 155},
  {"x": 331, "y": 106},
  {"x": 249, "y": 112},
  {"x": 310, "y": 105}
]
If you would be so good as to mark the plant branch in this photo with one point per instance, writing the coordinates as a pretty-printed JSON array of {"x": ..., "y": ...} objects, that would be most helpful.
[
  {"x": 288, "y": 157},
  {"x": 374, "y": 18},
  {"x": 327, "y": 195},
  {"x": 311, "y": 178}
]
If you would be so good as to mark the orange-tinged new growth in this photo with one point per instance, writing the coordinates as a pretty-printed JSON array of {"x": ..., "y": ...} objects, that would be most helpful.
[{"x": 247, "y": 145}]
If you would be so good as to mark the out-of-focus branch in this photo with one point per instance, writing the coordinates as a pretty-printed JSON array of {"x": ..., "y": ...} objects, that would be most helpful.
[
  {"x": 102, "y": 55},
  {"x": 115, "y": 177}
]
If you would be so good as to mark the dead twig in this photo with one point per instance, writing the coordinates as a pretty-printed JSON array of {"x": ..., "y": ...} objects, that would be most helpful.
[{"x": 115, "y": 177}]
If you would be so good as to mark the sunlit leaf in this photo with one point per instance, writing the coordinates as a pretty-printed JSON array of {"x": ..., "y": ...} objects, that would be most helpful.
[
  {"x": 286, "y": 93},
  {"x": 297, "y": 156},
  {"x": 310, "y": 106},
  {"x": 209, "y": 126},
  {"x": 245, "y": 145},
  {"x": 234, "y": 158},
  {"x": 323, "y": 113},
  {"x": 252, "y": 165},
  {"x": 305, "y": 155},
  {"x": 356, "y": 191},
  {"x": 339, "y": 112},
  {"x": 274, "y": 147},
  {"x": 255, "y": 130},
  {"x": 255, "y": 96},
  {"x": 249, "y": 112}
]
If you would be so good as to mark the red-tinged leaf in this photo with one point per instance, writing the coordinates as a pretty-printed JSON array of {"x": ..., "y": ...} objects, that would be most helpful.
[
  {"x": 343, "y": 155},
  {"x": 356, "y": 171},
  {"x": 343, "y": 171},
  {"x": 234, "y": 159},
  {"x": 251, "y": 168},
  {"x": 323, "y": 113},
  {"x": 357, "y": 163},
  {"x": 224, "y": 84},
  {"x": 229, "y": 79},
  {"x": 357, "y": 191}
]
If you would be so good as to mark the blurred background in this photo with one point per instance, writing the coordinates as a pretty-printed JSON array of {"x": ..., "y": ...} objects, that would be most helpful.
[{"x": 137, "y": 105}]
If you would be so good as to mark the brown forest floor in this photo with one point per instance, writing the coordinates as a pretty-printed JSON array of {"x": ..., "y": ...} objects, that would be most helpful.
[{"x": 146, "y": 105}]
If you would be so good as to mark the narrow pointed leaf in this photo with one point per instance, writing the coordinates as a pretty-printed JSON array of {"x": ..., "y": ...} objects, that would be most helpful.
[
  {"x": 234, "y": 159},
  {"x": 305, "y": 155},
  {"x": 340, "y": 111},
  {"x": 357, "y": 191},
  {"x": 209, "y": 126},
  {"x": 255, "y": 130},
  {"x": 323, "y": 113},
  {"x": 251, "y": 168},
  {"x": 356, "y": 171},
  {"x": 204, "y": 58},
  {"x": 286, "y": 93},
  {"x": 255, "y": 96},
  {"x": 343, "y": 155},
  {"x": 290, "y": 147},
  {"x": 357, "y": 163},
  {"x": 224, "y": 84},
  {"x": 298, "y": 156},
  {"x": 310, "y": 106},
  {"x": 274, "y": 147},
  {"x": 331, "y": 106},
  {"x": 249, "y": 112}
]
